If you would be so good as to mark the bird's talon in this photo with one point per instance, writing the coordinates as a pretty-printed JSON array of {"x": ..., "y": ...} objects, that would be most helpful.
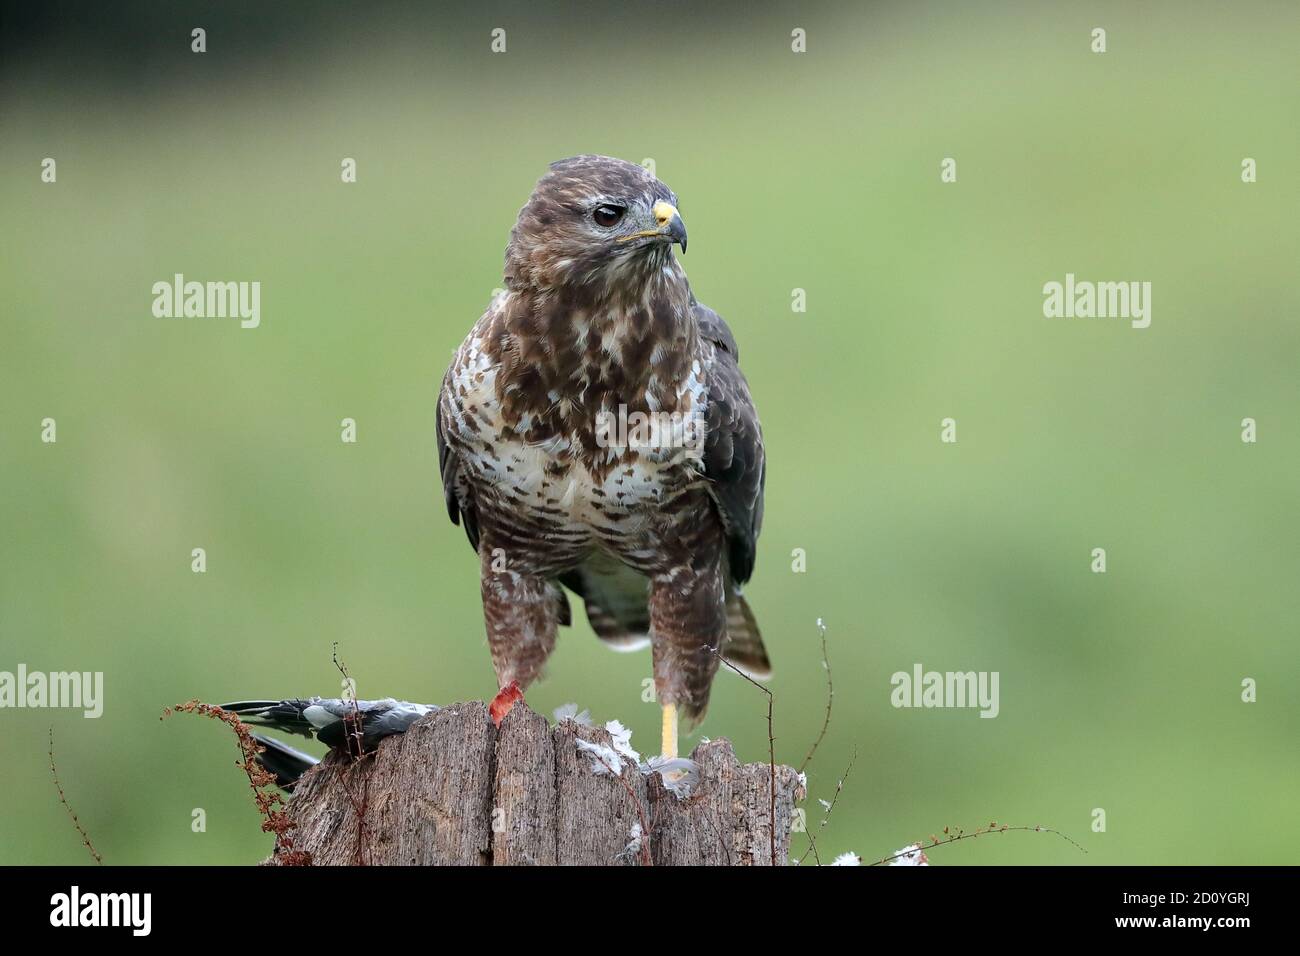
[{"x": 679, "y": 774}]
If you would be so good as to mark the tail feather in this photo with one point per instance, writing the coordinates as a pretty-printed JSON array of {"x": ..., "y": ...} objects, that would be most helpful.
[
  {"x": 285, "y": 715},
  {"x": 617, "y": 604},
  {"x": 743, "y": 646},
  {"x": 282, "y": 761},
  {"x": 617, "y": 601}
]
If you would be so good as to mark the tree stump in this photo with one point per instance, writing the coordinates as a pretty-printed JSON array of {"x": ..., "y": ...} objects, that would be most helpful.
[{"x": 454, "y": 789}]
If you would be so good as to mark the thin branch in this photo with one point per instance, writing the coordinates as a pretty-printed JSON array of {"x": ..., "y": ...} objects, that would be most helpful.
[
  {"x": 835, "y": 798},
  {"x": 353, "y": 733},
  {"x": 981, "y": 831},
  {"x": 812, "y": 846},
  {"x": 771, "y": 747},
  {"x": 63, "y": 799},
  {"x": 830, "y": 698}
]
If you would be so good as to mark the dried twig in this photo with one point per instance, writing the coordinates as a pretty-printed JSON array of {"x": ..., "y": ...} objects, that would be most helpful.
[
  {"x": 812, "y": 848},
  {"x": 830, "y": 698},
  {"x": 771, "y": 747},
  {"x": 354, "y": 735},
  {"x": 981, "y": 831},
  {"x": 63, "y": 799},
  {"x": 354, "y": 731},
  {"x": 835, "y": 797},
  {"x": 270, "y": 804}
]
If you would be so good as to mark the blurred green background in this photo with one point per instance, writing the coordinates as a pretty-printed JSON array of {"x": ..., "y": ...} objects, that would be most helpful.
[{"x": 817, "y": 171}]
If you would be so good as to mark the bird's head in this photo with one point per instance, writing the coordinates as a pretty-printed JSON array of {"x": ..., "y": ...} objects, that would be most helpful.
[{"x": 594, "y": 221}]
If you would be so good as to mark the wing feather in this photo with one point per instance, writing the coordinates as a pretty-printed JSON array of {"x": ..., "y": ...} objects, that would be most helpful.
[
  {"x": 455, "y": 489},
  {"x": 734, "y": 460}
]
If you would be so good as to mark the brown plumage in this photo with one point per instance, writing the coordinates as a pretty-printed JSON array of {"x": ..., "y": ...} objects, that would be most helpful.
[{"x": 656, "y": 530}]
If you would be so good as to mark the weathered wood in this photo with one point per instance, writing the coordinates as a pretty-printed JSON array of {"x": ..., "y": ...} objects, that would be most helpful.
[
  {"x": 524, "y": 808},
  {"x": 728, "y": 819},
  {"x": 424, "y": 797},
  {"x": 595, "y": 811},
  {"x": 456, "y": 790}
]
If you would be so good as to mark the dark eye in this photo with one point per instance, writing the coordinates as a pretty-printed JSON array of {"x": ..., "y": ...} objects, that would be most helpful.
[{"x": 608, "y": 215}]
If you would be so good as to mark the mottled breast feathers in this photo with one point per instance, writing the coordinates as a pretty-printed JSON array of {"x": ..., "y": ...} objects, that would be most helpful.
[{"x": 734, "y": 462}]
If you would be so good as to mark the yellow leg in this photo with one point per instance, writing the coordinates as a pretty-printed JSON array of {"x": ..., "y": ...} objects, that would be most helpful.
[{"x": 669, "y": 742}]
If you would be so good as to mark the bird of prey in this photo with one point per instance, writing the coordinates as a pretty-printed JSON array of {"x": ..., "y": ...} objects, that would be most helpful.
[{"x": 595, "y": 433}]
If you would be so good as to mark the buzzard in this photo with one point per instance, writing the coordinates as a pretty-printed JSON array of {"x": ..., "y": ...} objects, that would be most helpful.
[{"x": 595, "y": 434}]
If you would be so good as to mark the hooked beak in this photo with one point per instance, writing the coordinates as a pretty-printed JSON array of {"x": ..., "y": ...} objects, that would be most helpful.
[{"x": 670, "y": 224}]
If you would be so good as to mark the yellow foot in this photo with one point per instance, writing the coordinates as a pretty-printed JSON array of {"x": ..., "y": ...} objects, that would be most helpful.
[
  {"x": 669, "y": 741},
  {"x": 678, "y": 775}
]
